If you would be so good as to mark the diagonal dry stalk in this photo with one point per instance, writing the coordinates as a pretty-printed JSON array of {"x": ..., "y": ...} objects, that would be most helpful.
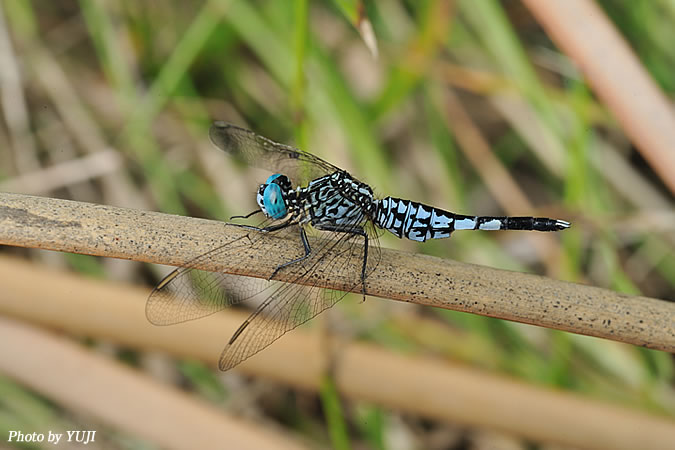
[
  {"x": 69, "y": 226},
  {"x": 585, "y": 33}
]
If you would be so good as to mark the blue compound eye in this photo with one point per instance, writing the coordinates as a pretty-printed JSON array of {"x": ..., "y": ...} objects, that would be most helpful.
[{"x": 273, "y": 200}]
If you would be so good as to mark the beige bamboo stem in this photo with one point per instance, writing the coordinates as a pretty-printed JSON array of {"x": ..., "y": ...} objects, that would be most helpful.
[{"x": 165, "y": 239}]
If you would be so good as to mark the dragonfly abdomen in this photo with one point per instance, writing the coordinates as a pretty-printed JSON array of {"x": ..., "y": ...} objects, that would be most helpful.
[{"x": 419, "y": 222}]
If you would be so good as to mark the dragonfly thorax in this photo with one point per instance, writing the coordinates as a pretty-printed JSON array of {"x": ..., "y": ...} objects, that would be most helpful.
[
  {"x": 336, "y": 200},
  {"x": 273, "y": 196}
]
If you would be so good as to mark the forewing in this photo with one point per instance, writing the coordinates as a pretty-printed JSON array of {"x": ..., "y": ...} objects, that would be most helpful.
[
  {"x": 258, "y": 151},
  {"x": 338, "y": 256},
  {"x": 188, "y": 293}
]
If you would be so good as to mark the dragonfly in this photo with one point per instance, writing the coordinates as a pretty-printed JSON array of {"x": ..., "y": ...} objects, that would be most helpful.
[{"x": 334, "y": 220}]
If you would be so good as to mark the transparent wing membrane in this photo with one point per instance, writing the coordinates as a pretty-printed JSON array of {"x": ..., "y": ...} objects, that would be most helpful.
[
  {"x": 258, "y": 151},
  {"x": 189, "y": 293}
]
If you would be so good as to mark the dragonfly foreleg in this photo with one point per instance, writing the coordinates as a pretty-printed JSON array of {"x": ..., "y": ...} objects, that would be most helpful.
[
  {"x": 247, "y": 215},
  {"x": 277, "y": 227},
  {"x": 268, "y": 229},
  {"x": 308, "y": 250}
]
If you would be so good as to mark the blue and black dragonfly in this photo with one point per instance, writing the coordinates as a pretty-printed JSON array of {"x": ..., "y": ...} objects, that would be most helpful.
[{"x": 333, "y": 217}]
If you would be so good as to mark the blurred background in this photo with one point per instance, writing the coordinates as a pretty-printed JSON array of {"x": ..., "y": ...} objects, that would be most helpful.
[{"x": 468, "y": 106}]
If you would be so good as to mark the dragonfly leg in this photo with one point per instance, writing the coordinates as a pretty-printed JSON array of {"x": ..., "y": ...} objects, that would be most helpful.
[
  {"x": 268, "y": 229},
  {"x": 247, "y": 215},
  {"x": 308, "y": 250},
  {"x": 277, "y": 227},
  {"x": 356, "y": 231}
]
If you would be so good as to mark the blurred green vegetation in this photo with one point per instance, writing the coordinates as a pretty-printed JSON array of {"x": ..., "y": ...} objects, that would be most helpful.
[{"x": 149, "y": 77}]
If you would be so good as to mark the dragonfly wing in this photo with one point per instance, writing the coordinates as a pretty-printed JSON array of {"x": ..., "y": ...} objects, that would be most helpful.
[
  {"x": 188, "y": 293},
  {"x": 261, "y": 152},
  {"x": 289, "y": 306},
  {"x": 339, "y": 257}
]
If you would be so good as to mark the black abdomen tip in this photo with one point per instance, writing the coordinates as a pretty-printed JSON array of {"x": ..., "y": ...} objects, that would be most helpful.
[
  {"x": 545, "y": 224},
  {"x": 561, "y": 225}
]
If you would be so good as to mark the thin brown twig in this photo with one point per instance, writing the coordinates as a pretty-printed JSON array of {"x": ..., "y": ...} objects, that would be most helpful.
[{"x": 70, "y": 226}]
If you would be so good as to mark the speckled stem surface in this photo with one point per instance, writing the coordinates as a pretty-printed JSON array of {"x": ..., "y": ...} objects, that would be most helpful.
[{"x": 69, "y": 226}]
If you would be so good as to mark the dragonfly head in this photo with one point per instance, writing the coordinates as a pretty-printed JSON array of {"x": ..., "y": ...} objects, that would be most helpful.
[{"x": 272, "y": 196}]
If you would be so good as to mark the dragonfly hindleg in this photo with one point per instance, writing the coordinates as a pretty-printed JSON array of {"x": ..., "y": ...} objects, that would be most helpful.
[{"x": 356, "y": 231}]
